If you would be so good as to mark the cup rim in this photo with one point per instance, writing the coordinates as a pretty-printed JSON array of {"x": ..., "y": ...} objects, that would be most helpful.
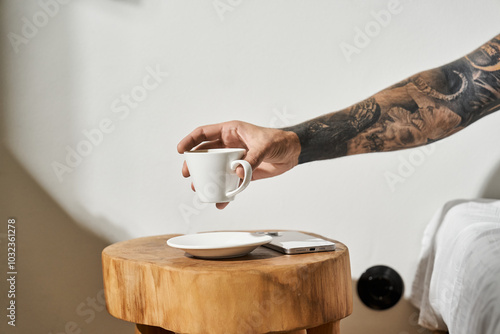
[{"x": 216, "y": 151}]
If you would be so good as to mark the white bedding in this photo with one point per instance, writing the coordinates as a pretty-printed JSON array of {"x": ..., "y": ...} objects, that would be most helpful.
[{"x": 457, "y": 284}]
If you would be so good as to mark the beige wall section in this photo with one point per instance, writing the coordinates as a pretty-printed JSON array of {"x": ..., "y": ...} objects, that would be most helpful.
[{"x": 59, "y": 277}]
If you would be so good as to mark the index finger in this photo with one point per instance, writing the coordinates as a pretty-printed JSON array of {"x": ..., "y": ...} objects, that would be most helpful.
[{"x": 199, "y": 135}]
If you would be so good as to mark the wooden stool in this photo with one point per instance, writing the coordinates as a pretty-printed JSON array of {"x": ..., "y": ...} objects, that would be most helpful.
[{"x": 164, "y": 290}]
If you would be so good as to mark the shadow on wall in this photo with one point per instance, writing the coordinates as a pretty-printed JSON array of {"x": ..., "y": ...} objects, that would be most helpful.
[
  {"x": 59, "y": 278},
  {"x": 49, "y": 78},
  {"x": 491, "y": 188}
]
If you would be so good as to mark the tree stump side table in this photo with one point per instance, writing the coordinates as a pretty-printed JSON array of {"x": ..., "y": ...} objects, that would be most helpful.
[{"x": 164, "y": 290}]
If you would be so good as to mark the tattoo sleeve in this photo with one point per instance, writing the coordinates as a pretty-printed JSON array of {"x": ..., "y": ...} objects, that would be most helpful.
[{"x": 424, "y": 108}]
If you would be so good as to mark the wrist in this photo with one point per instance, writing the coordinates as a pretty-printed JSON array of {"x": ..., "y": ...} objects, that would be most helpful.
[
  {"x": 294, "y": 146},
  {"x": 319, "y": 141},
  {"x": 300, "y": 140}
]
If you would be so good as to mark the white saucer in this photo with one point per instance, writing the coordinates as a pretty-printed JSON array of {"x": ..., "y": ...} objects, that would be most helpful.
[{"x": 219, "y": 245}]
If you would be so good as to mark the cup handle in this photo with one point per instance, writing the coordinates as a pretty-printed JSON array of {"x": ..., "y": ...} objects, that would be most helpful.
[{"x": 246, "y": 179}]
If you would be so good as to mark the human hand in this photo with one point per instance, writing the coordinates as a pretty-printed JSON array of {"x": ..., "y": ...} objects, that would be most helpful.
[{"x": 269, "y": 151}]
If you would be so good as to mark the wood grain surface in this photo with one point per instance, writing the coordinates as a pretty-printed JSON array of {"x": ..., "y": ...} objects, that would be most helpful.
[{"x": 149, "y": 283}]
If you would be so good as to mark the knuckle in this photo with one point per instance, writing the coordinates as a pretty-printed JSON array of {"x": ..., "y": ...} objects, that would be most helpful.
[{"x": 199, "y": 132}]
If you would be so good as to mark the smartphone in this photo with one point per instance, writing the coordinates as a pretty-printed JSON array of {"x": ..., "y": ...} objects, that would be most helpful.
[{"x": 292, "y": 242}]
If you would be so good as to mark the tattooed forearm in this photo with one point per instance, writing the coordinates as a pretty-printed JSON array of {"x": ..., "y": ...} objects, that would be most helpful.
[
  {"x": 336, "y": 128},
  {"x": 424, "y": 108}
]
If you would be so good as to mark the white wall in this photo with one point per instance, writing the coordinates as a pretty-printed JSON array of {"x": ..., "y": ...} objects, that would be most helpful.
[{"x": 273, "y": 63}]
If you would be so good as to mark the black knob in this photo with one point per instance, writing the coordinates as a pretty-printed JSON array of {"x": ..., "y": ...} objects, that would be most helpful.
[{"x": 380, "y": 287}]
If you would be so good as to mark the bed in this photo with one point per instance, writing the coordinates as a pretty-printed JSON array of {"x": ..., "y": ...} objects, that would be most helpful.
[{"x": 457, "y": 282}]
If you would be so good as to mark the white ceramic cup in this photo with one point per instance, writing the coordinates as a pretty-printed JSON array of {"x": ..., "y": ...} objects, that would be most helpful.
[{"x": 214, "y": 173}]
